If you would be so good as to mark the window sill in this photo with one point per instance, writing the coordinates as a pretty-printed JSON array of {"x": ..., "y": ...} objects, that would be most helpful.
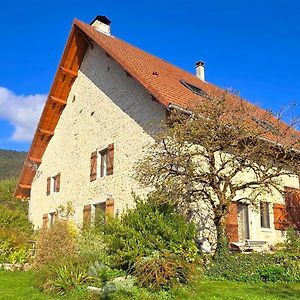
[{"x": 266, "y": 229}]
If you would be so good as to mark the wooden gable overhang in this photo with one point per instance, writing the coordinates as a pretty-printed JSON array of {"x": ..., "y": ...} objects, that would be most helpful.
[{"x": 65, "y": 76}]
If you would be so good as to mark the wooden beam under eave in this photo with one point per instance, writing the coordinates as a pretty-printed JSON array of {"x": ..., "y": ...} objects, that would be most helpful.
[
  {"x": 46, "y": 132},
  {"x": 34, "y": 159},
  {"x": 58, "y": 100},
  {"x": 25, "y": 186},
  {"x": 70, "y": 72}
]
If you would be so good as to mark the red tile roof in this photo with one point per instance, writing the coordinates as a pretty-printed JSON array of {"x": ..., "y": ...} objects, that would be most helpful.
[{"x": 159, "y": 77}]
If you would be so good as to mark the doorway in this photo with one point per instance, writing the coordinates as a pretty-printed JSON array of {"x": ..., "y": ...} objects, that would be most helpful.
[{"x": 243, "y": 222}]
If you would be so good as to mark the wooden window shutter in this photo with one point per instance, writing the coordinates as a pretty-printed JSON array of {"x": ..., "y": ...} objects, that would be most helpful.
[
  {"x": 279, "y": 216},
  {"x": 110, "y": 207},
  {"x": 87, "y": 215},
  {"x": 93, "y": 173},
  {"x": 110, "y": 159},
  {"x": 232, "y": 223},
  {"x": 57, "y": 182},
  {"x": 45, "y": 220},
  {"x": 48, "y": 185},
  {"x": 292, "y": 207}
]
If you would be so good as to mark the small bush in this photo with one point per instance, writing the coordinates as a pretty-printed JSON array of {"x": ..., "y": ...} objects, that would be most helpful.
[
  {"x": 55, "y": 243},
  {"x": 15, "y": 219},
  {"x": 162, "y": 270},
  {"x": 147, "y": 228},
  {"x": 69, "y": 277},
  {"x": 292, "y": 240},
  {"x": 91, "y": 245},
  {"x": 271, "y": 273}
]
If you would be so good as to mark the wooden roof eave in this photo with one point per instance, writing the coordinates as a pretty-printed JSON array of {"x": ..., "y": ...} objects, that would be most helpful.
[{"x": 27, "y": 174}]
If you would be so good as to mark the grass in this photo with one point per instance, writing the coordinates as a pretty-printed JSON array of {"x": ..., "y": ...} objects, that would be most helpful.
[
  {"x": 209, "y": 289},
  {"x": 19, "y": 285}
]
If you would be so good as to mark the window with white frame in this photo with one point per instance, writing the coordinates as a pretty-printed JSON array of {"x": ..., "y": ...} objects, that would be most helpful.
[
  {"x": 102, "y": 162},
  {"x": 264, "y": 215},
  {"x": 102, "y": 159},
  {"x": 53, "y": 184}
]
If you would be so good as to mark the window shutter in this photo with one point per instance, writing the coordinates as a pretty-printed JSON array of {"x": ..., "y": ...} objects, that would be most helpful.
[
  {"x": 45, "y": 220},
  {"x": 87, "y": 215},
  {"x": 110, "y": 207},
  {"x": 292, "y": 202},
  {"x": 279, "y": 216},
  {"x": 110, "y": 159},
  {"x": 57, "y": 182},
  {"x": 93, "y": 173},
  {"x": 48, "y": 185},
  {"x": 232, "y": 223}
]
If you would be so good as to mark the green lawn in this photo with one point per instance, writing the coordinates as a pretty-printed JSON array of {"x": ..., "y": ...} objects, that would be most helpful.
[
  {"x": 19, "y": 285},
  {"x": 238, "y": 290}
]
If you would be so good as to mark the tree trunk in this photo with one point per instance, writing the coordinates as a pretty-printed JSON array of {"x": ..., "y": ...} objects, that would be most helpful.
[{"x": 222, "y": 241}]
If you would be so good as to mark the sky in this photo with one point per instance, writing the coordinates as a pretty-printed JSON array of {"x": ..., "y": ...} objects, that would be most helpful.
[{"x": 250, "y": 46}]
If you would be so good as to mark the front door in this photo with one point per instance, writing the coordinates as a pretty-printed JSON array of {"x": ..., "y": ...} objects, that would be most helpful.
[{"x": 243, "y": 222}]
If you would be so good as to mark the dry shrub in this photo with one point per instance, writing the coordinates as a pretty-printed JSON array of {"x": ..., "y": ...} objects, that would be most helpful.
[
  {"x": 55, "y": 243},
  {"x": 162, "y": 270}
]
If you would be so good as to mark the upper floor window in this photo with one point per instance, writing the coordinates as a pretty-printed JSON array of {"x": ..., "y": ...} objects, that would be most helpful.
[
  {"x": 264, "y": 215},
  {"x": 102, "y": 162},
  {"x": 53, "y": 184}
]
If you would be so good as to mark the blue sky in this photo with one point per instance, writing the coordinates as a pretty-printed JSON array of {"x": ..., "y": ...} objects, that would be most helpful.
[{"x": 251, "y": 46}]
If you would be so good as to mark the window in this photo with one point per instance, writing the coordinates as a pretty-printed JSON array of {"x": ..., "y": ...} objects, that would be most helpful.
[
  {"x": 100, "y": 213},
  {"x": 102, "y": 162},
  {"x": 196, "y": 90},
  {"x": 264, "y": 215},
  {"x": 266, "y": 125},
  {"x": 53, "y": 184}
]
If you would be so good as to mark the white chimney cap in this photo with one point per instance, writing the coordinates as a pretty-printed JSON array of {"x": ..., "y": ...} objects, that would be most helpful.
[
  {"x": 200, "y": 70},
  {"x": 101, "y": 24}
]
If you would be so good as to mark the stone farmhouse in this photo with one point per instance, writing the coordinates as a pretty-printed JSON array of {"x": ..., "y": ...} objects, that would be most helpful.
[{"x": 106, "y": 104}]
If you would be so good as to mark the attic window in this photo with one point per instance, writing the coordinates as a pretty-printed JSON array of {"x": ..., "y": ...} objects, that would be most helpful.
[
  {"x": 196, "y": 90},
  {"x": 266, "y": 125}
]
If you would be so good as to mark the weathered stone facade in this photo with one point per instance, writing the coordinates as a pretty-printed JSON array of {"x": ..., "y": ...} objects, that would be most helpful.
[{"x": 105, "y": 106}]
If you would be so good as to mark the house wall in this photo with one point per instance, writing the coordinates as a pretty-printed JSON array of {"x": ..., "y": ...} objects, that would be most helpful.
[{"x": 105, "y": 106}]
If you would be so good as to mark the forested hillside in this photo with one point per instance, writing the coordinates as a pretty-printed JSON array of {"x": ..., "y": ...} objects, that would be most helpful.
[{"x": 11, "y": 163}]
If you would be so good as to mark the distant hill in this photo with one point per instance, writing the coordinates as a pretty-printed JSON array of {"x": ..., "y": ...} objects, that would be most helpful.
[{"x": 11, "y": 163}]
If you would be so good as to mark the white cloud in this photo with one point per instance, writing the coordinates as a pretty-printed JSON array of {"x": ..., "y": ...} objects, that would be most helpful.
[{"x": 22, "y": 112}]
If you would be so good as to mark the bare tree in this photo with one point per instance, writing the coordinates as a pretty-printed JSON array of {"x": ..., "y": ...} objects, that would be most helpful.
[{"x": 221, "y": 151}]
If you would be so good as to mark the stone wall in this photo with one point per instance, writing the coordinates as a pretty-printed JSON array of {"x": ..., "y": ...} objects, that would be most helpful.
[{"x": 105, "y": 106}]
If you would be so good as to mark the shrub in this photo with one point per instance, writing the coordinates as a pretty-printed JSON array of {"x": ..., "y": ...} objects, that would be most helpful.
[
  {"x": 13, "y": 246},
  {"x": 256, "y": 267},
  {"x": 69, "y": 277},
  {"x": 18, "y": 256},
  {"x": 147, "y": 228},
  {"x": 292, "y": 240},
  {"x": 55, "y": 243},
  {"x": 15, "y": 219},
  {"x": 104, "y": 273},
  {"x": 91, "y": 245},
  {"x": 162, "y": 270},
  {"x": 271, "y": 273}
]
